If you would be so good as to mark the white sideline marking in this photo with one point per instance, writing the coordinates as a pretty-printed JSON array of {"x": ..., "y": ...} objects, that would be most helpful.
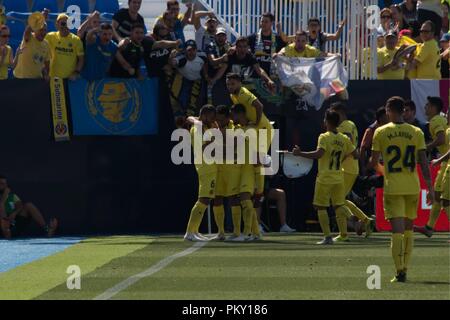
[{"x": 108, "y": 294}]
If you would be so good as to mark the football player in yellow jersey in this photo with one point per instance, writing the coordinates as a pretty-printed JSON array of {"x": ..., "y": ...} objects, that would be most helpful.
[
  {"x": 206, "y": 174},
  {"x": 401, "y": 146},
  {"x": 445, "y": 165},
  {"x": 247, "y": 184},
  {"x": 438, "y": 126},
  {"x": 445, "y": 194},
  {"x": 228, "y": 179},
  {"x": 351, "y": 165},
  {"x": 255, "y": 115},
  {"x": 332, "y": 148}
]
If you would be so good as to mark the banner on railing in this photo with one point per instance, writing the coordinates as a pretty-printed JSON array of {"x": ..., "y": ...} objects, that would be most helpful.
[
  {"x": 59, "y": 110},
  {"x": 313, "y": 79},
  {"x": 114, "y": 107}
]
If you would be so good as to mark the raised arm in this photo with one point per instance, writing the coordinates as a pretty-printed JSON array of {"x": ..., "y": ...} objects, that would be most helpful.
[{"x": 337, "y": 35}]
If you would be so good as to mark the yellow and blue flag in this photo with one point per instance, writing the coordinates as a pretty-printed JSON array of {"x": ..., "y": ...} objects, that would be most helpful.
[{"x": 114, "y": 106}]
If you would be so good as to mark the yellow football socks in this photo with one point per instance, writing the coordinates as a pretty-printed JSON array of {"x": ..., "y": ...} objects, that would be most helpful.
[
  {"x": 196, "y": 217},
  {"x": 398, "y": 251},
  {"x": 434, "y": 214},
  {"x": 357, "y": 212},
  {"x": 342, "y": 214},
  {"x": 247, "y": 213},
  {"x": 219, "y": 217},
  {"x": 236, "y": 214},
  {"x": 324, "y": 222},
  {"x": 255, "y": 225},
  {"x": 408, "y": 243}
]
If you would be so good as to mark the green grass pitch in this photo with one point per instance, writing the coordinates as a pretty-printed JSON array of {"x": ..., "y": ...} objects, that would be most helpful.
[{"x": 279, "y": 267}]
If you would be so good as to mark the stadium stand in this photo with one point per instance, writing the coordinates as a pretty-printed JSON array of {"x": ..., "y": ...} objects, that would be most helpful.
[
  {"x": 39, "y": 5},
  {"x": 107, "y": 6},
  {"x": 16, "y": 5},
  {"x": 16, "y": 28},
  {"x": 83, "y": 4}
]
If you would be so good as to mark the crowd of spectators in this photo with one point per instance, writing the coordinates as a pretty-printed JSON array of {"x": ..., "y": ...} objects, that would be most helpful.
[
  {"x": 423, "y": 24},
  {"x": 121, "y": 48}
]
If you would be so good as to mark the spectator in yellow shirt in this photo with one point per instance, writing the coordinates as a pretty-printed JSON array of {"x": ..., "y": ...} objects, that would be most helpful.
[
  {"x": 427, "y": 61},
  {"x": 67, "y": 53},
  {"x": 6, "y": 54},
  {"x": 388, "y": 67},
  {"x": 300, "y": 48},
  {"x": 33, "y": 56}
]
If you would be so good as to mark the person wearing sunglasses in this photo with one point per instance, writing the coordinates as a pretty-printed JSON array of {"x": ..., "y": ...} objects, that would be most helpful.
[
  {"x": 427, "y": 61},
  {"x": 6, "y": 53},
  {"x": 386, "y": 21},
  {"x": 67, "y": 52},
  {"x": 430, "y": 10}
]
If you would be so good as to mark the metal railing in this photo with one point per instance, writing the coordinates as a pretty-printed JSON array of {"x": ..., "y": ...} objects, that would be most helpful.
[{"x": 241, "y": 17}]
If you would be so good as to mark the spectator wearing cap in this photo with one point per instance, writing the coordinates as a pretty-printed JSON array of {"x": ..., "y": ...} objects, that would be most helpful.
[
  {"x": 6, "y": 53},
  {"x": 132, "y": 51},
  {"x": 33, "y": 56},
  {"x": 389, "y": 66},
  {"x": 265, "y": 43},
  {"x": 125, "y": 18},
  {"x": 100, "y": 52},
  {"x": 91, "y": 22},
  {"x": 187, "y": 94},
  {"x": 204, "y": 35},
  {"x": 174, "y": 20},
  {"x": 67, "y": 53},
  {"x": 445, "y": 56},
  {"x": 156, "y": 58},
  {"x": 430, "y": 10},
  {"x": 427, "y": 61}
]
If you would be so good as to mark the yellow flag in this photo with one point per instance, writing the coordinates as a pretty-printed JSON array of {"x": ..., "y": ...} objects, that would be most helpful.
[{"x": 59, "y": 110}]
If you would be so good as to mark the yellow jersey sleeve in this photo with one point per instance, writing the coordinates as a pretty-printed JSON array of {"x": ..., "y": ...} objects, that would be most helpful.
[
  {"x": 437, "y": 124},
  {"x": 322, "y": 143},
  {"x": 421, "y": 145}
]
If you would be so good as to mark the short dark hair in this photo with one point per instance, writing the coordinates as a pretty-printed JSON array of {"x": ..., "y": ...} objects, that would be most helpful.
[
  {"x": 381, "y": 111},
  {"x": 171, "y": 3},
  {"x": 432, "y": 25},
  {"x": 269, "y": 15},
  {"x": 238, "y": 108},
  {"x": 436, "y": 102},
  {"x": 338, "y": 106},
  {"x": 242, "y": 39},
  {"x": 332, "y": 117},
  {"x": 313, "y": 20},
  {"x": 106, "y": 26},
  {"x": 396, "y": 103},
  {"x": 301, "y": 33},
  {"x": 137, "y": 26},
  {"x": 223, "y": 109},
  {"x": 207, "y": 108},
  {"x": 158, "y": 27},
  {"x": 234, "y": 76},
  {"x": 410, "y": 104}
]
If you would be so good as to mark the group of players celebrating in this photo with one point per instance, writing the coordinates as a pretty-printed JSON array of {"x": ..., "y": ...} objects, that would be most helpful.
[{"x": 397, "y": 149}]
